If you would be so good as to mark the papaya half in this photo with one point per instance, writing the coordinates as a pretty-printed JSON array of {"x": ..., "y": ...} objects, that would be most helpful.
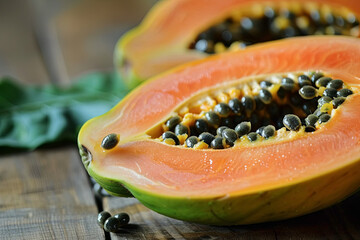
[
  {"x": 179, "y": 31},
  {"x": 263, "y": 134}
]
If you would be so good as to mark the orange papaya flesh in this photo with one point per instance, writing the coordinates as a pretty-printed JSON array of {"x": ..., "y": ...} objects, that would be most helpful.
[
  {"x": 257, "y": 182},
  {"x": 169, "y": 33}
]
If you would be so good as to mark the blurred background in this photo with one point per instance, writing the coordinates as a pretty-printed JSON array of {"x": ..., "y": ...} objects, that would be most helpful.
[{"x": 42, "y": 41}]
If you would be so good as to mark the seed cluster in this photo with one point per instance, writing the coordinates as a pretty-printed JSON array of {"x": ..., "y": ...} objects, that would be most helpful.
[
  {"x": 256, "y": 110},
  {"x": 267, "y": 23},
  {"x": 112, "y": 223}
]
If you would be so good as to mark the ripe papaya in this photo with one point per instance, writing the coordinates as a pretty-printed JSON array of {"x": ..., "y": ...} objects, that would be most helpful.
[
  {"x": 178, "y": 31},
  {"x": 203, "y": 142}
]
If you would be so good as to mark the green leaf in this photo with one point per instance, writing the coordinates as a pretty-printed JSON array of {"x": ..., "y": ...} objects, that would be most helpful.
[{"x": 31, "y": 116}]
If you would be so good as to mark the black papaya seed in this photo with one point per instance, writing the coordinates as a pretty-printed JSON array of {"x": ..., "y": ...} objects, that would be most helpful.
[
  {"x": 344, "y": 92},
  {"x": 206, "y": 137},
  {"x": 123, "y": 217},
  {"x": 172, "y": 122},
  {"x": 253, "y": 136},
  {"x": 292, "y": 122},
  {"x": 217, "y": 143},
  {"x": 265, "y": 96},
  {"x": 110, "y": 141},
  {"x": 113, "y": 224},
  {"x": 181, "y": 129},
  {"x": 102, "y": 217},
  {"x": 324, "y": 118},
  {"x": 308, "y": 92},
  {"x": 171, "y": 135},
  {"x": 243, "y": 128},
  {"x": 338, "y": 101},
  {"x": 222, "y": 109},
  {"x": 330, "y": 92},
  {"x": 230, "y": 136},
  {"x": 201, "y": 126},
  {"x": 191, "y": 141},
  {"x": 212, "y": 118},
  {"x": 336, "y": 84},
  {"x": 268, "y": 131},
  {"x": 235, "y": 105}
]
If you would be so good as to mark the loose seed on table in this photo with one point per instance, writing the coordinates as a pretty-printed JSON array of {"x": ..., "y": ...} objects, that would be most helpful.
[
  {"x": 123, "y": 217},
  {"x": 113, "y": 224},
  {"x": 102, "y": 217}
]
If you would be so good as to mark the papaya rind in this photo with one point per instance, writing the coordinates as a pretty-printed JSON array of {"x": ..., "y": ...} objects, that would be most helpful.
[{"x": 278, "y": 203}]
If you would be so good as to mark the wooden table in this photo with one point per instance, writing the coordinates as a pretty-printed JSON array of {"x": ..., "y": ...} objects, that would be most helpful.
[{"x": 46, "y": 194}]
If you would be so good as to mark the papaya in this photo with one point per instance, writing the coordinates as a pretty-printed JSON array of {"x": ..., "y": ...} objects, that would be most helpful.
[
  {"x": 267, "y": 133},
  {"x": 178, "y": 31}
]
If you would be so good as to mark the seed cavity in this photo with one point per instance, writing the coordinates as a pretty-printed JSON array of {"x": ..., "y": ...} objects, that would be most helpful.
[
  {"x": 256, "y": 110},
  {"x": 261, "y": 23}
]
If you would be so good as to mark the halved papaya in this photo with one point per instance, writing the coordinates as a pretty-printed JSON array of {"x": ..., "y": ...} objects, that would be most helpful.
[
  {"x": 303, "y": 165},
  {"x": 178, "y": 31}
]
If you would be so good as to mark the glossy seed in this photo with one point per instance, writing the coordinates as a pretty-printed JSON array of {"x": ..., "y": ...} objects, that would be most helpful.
[
  {"x": 296, "y": 99},
  {"x": 172, "y": 136},
  {"x": 330, "y": 92},
  {"x": 113, "y": 224},
  {"x": 201, "y": 126},
  {"x": 220, "y": 130},
  {"x": 235, "y": 105},
  {"x": 191, "y": 141},
  {"x": 268, "y": 131},
  {"x": 230, "y": 136},
  {"x": 265, "y": 96},
  {"x": 308, "y": 92},
  {"x": 265, "y": 84},
  {"x": 322, "y": 82},
  {"x": 338, "y": 101},
  {"x": 311, "y": 119},
  {"x": 123, "y": 217},
  {"x": 248, "y": 103},
  {"x": 344, "y": 92},
  {"x": 315, "y": 77},
  {"x": 318, "y": 113},
  {"x": 243, "y": 128},
  {"x": 323, "y": 100},
  {"x": 222, "y": 109},
  {"x": 287, "y": 83},
  {"x": 324, "y": 118},
  {"x": 102, "y": 217},
  {"x": 292, "y": 122},
  {"x": 260, "y": 105},
  {"x": 260, "y": 130},
  {"x": 181, "y": 129},
  {"x": 253, "y": 136},
  {"x": 206, "y": 137},
  {"x": 172, "y": 122},
  {"x": 310, "y": 128},
  {"x": 304, "y": 80},
  {"x": 110, "y": 141},
  {"x": 212, "y": 118},
  {"x": 336, "y": 83},
  {"x": 217, "y": 143}
]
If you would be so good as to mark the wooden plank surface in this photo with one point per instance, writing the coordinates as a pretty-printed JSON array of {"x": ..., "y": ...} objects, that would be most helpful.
[{"x": 46, "y": 194}]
